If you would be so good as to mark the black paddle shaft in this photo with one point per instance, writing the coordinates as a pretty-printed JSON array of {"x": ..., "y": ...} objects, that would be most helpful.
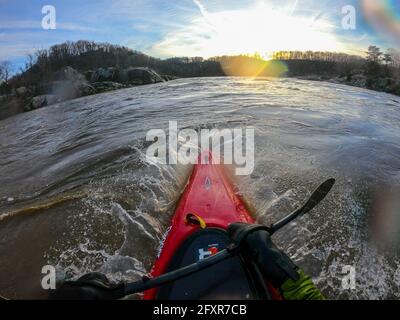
[{"x": 146, "y": 283}]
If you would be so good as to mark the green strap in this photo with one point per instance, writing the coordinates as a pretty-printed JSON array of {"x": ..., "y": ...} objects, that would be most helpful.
[{"x": 301, "y": 289}]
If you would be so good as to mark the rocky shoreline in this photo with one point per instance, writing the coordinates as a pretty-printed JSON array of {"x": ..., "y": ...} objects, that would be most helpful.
[
  {"x": 359, "y": 80},
  {"x": 69, "y": 84}
]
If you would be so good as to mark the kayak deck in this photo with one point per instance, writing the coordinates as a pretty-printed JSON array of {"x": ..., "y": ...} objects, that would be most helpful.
[{"x": 207, "y": 201}]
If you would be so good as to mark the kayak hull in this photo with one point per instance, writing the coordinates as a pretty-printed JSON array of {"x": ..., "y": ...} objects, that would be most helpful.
[{"x": 210, "y": 200}]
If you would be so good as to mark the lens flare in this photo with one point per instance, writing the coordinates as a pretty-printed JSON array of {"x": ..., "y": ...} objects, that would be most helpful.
[
  {"x": 249, "y": 67},
  {"x": 384, "y": 16}
]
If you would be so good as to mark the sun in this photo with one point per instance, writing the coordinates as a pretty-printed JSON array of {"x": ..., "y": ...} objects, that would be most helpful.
[{"x": 260, "y": 29}]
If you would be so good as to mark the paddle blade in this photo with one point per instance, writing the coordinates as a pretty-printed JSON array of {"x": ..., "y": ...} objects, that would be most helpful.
[{"x": 318, "y": 195}]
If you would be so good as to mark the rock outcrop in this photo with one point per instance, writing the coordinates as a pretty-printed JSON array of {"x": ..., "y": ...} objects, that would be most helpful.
[
  {"x": 130, "y": 76},
  {"x": 41, "y": 101},
  {"x": 69, "y": 89},
  {"x": 68, "y": 83},
  {"x": 140, "y": 76},
  {"x": 105, "y": 74},
  {"x": 21, "y": 91}
]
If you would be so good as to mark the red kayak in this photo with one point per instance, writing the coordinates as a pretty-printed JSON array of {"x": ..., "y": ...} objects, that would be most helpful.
[{"x": 198, "y": 230}]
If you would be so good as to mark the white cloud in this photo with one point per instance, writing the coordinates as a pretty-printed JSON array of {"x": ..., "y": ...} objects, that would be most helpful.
[
  {"x": 20, "y": 43},
  {"x": 77, "y": 27},
  {"x": 17, "y": 50},
  {"x": 20, "y": 24},
  {"x": 36, "y": 24},
  {"x": 19, "y": 38}
]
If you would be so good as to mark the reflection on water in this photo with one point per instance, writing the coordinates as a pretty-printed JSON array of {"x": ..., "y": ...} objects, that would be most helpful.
[{"x": 76, "y": 191}]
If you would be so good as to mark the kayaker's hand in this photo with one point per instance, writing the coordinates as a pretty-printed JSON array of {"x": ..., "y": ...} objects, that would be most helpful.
[
  {"x": 92, "y": 286},
  {"x": 274, "y": 264}
]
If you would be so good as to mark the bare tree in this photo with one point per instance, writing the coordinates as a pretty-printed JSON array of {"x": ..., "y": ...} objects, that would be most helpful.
[{"x": 5, "y": 71}]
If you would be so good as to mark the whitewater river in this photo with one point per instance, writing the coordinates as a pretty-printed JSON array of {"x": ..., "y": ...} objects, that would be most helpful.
[{"x": 76, "y": 190}]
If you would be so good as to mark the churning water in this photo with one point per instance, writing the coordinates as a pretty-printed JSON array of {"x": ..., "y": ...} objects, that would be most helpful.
[{"x": 76, "y": 190}]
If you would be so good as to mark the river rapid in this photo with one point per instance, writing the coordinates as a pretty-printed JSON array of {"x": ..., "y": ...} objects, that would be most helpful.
[{"x": 77, "y": 192}]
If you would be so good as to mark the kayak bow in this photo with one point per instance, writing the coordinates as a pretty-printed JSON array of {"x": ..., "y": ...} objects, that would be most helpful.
[{"x": 206, "y": 208}]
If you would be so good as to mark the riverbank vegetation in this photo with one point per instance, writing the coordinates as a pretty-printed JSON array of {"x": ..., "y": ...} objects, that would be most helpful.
[{"x": 74, "y": 69}]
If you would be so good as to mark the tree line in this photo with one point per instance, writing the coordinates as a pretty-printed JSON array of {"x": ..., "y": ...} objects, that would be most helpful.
[
  {"x": 88, "y": 55},
  {"x": 317, "y": 56}
]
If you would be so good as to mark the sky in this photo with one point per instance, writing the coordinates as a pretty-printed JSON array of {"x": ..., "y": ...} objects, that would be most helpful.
[{"x": 205, "y": 28}]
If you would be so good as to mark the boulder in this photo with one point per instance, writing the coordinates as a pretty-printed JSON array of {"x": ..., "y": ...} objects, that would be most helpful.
[
  {"x": 88, "y": 75},
  {"x": 21, "y": 91},
  {"x": 131, "y": 75},
  {"x": 139, "y": 75},
  {"x": 41, "y": 101},
  {"x": 69, "y": 84},
  {"x": 105, "y": 74}
]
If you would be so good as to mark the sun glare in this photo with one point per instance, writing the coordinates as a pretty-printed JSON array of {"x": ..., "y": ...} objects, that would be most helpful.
[{"x": 260, "y": 29}]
